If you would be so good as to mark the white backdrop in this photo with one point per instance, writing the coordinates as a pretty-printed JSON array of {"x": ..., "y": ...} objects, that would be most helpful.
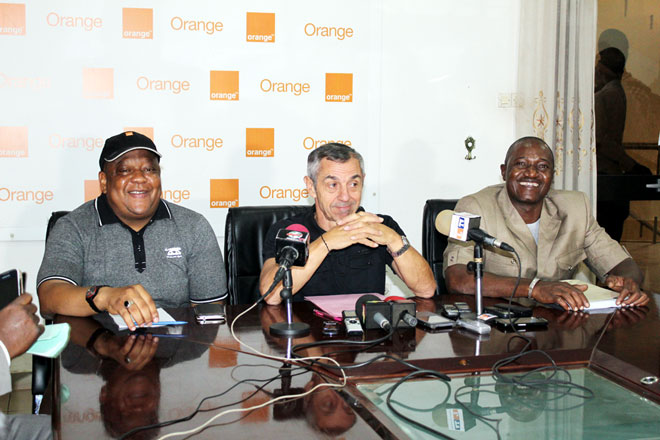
[{"x": 425, "y": 75}]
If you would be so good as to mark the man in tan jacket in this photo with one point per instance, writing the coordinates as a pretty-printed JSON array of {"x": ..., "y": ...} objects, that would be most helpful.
[{"x": 553, "y": 231}]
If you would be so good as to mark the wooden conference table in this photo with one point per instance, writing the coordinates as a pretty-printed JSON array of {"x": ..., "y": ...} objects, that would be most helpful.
[{"x": 102, "y": 396}]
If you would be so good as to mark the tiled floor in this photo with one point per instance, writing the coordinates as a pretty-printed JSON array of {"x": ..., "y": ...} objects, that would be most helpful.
[{"x": 19, "y": 401}]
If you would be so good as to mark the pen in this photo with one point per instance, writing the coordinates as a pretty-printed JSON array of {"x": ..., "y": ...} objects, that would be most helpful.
[{"x": 322, "y": 314}]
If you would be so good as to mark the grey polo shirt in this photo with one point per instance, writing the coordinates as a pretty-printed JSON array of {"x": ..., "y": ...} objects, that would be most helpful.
[{"x": 175, "y": 257}]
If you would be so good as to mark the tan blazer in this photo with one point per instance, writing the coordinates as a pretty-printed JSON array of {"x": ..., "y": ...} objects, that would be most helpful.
[{"x": 568, "y": 234}]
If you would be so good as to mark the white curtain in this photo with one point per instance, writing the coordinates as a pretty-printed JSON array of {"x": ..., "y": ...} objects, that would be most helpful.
[{"x": 555, "y": 86}]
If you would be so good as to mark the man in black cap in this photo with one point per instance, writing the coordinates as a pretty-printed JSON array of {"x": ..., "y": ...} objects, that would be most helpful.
[{"x": 128, "y": 251}]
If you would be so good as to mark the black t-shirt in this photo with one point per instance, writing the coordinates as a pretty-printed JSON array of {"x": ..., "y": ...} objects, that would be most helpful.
[{"x": 355, "y": 269}]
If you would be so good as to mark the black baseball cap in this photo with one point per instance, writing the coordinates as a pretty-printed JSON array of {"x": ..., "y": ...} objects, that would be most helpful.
[{"x": 117, "y": 146}]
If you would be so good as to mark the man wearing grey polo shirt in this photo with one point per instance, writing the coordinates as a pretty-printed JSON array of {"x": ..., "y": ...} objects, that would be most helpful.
[{"x": 129, "y": 251}]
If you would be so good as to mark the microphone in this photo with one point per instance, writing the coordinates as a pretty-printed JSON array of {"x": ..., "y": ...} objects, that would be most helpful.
[
  {"x": 382, "y": 321},
  {"x": 404, "y": 309},
  {"x": 464, "y": 227},
  {"x": 376, "y": 313},
  {"x": 291, "y": 248}
]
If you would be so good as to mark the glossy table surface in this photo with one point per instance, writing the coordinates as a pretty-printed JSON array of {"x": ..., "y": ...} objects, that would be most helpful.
[{"x": 103, "y": 396}]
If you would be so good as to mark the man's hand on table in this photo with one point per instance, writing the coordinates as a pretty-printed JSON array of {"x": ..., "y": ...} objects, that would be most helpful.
[
  {"x": 630, "y": 294},
  {"x": 567, "y": 296},
  {"x": 141, "y": 306}
]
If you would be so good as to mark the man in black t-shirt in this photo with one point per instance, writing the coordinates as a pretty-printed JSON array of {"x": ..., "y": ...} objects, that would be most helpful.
[{"x": 349, "y": 247}]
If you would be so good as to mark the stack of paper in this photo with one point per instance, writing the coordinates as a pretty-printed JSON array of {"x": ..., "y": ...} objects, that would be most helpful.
[
  {"x": 52, "y": 341},
  {"x": 164, "y": 318},
  {"x": 333, "y": 305},
  {"x": 599, "y": 297}
]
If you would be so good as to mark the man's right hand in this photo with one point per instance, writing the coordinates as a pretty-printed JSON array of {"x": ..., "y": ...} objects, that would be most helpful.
[
  {"x": 568, "y": 296},
  {"x": 19, "y": 325},
  {"x": 141, "y": 308}
]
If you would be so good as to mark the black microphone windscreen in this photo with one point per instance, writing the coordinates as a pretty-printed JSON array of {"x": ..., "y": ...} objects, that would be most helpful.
[{"x": 359, "y": 305}]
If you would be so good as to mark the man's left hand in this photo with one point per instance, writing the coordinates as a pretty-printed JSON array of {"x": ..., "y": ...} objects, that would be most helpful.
[{"x": 630, "y": 294}]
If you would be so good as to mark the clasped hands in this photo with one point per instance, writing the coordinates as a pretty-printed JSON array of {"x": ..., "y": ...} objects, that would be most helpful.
[{"x": 364, "y": 228}]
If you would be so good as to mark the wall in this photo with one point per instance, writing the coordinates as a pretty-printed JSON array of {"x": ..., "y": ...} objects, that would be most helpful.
[{"x": 422, "y": 76}]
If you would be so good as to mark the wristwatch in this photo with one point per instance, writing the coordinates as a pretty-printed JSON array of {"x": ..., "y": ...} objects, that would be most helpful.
[
  {"x": 406, "y": 245},
  {"x": 90, "y": 295}
]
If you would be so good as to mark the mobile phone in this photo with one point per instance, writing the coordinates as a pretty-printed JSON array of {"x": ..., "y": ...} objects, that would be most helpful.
[
  {"x": 515, "y": 308},
  {"x": 474, "y": 325},
  {"x": 352, "y": 323},
  {"x": 330, "y": 328},
  {"x": 521, "y": 324},
  {"x": 210, "y": 313},
  {"x": 433, "y": 321},
  {"x": 11, "y": 286},
  {"x": 463, "y": 308},
  {"x": 450, "y": 311}
]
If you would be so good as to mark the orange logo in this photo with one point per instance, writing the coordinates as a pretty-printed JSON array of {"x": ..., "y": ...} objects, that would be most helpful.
[
  {"x": 12, "y": 19},
  {"x": 138, "y": 23},
  {"x": 13, "y": 141},
  {"x": 92, "y": 189},
  {"x": 339, "y": 87},
  {"x": 259, "y": 142},
  {"x": 224, "y": 193},
  {"x": 147, "y": 131},
  {"x": 224, "y": 85},
  {"x": 260, "y": 27},
  {"x": 98, "y": 83}
]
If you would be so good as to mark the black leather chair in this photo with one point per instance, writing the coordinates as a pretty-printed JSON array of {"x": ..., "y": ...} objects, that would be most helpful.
[
  {"x": 433, "y": 242},
  {"x": 41, "y": 366},
  {"x": 245, "y": 232}
]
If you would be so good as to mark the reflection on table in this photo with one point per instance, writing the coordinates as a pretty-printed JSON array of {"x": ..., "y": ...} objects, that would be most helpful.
[{"x": 110, "y": 382}]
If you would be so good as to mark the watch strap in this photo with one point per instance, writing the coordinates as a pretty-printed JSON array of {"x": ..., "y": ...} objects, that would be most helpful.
[
  {"x": 90, "y": 295},
  {"x": 404, "y": 248}
]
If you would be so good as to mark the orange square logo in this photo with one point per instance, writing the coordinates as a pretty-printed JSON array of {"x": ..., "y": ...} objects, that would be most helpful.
[
  {"x": 98, "y": 83},
  {"x": 13, "y": 141},
  {"x": 12, "y": 19},
  {"x": 259, "y": 142},
  {"x": 224, "y": 193},
  {"x": 147, "y": 131},
  {"x": 339, "y": 87},
  {"x": 260, "y": 27},
  {"x": 138, "y": 23},
  {"x": 224, "y": 85},
  {"x": 92, "y": 189}
]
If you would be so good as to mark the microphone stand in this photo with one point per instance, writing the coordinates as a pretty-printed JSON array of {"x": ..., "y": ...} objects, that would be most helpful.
[
  {"x": 289, "y": 328},
  {"x": 478, "y": 265},
  {"x": 478, "y": 273}
]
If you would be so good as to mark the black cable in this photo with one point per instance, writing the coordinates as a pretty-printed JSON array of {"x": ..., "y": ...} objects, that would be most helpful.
[
  {"x": 422, "y": 426},
  {"x": 198, "y": 409},
  {"x": 567, "y": 387}
]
